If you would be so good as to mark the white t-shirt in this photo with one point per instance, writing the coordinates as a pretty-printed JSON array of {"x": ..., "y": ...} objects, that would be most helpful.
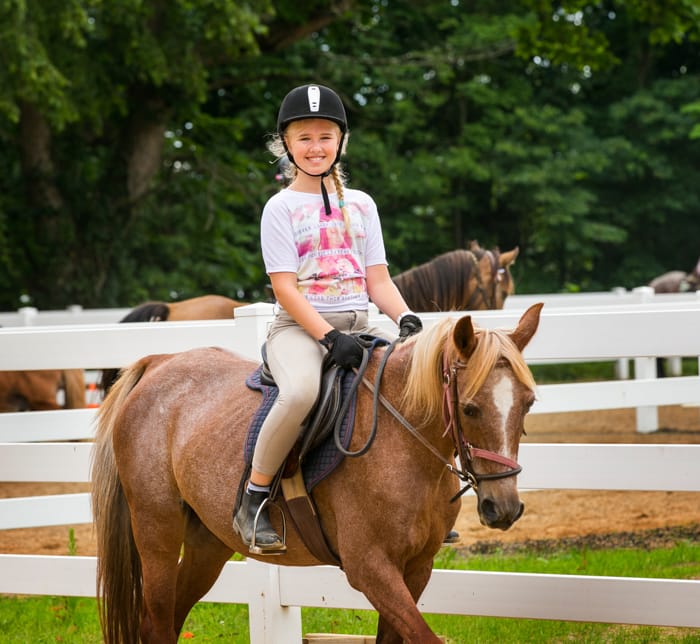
[{"x": 297, "y": 237}]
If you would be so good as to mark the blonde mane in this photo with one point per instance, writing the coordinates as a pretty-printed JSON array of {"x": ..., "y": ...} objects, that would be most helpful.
[{"x": 423, "y": 394}]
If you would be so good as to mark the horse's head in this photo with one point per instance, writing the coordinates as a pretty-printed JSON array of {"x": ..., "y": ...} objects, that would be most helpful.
[
  {"x": 479, "y": 390},
  {"x": 494, "y": 280},
  {"x": 491, "y": 390}
]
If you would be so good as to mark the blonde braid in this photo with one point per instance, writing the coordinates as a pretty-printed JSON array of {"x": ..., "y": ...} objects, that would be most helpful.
[{"x": 337, "y": 176}]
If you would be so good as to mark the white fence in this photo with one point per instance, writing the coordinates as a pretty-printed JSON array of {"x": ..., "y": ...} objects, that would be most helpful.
[{"x": 274, "y": 593}]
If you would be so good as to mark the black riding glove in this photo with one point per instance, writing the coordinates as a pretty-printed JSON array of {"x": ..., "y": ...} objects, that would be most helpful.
[
  {"x": 345, "y": 350},
  {"x": 409, "y": 324}
]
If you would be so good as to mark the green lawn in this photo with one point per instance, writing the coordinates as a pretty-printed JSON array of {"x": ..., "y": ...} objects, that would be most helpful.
[{"x": 37, "y": 620}]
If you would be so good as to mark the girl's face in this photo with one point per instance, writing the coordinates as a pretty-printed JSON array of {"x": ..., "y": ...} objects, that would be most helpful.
[{"x": 313, "y": 144}]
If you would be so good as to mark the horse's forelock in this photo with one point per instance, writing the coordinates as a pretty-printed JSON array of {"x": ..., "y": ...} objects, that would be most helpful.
[{"x": 423, "y": 393}]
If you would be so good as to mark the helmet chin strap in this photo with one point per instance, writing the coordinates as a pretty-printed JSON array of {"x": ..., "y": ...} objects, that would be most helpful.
[
  {"x": 324, "y": 192},
  {"x": 323, "y": 175}
]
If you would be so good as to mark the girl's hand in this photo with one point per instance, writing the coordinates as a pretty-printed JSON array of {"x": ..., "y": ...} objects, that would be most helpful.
[
  {"x": 345, "y": 350},
  {"x": 409, "y": 324}
]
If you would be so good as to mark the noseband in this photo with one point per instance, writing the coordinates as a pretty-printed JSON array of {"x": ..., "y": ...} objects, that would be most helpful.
[{"x": 466, "y": 451}]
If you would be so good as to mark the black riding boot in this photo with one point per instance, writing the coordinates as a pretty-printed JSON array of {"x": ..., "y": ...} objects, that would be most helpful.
[{"x": 252, "y": 523}]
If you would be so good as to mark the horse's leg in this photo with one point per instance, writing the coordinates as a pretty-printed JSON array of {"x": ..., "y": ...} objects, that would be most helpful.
[
  {"x": 158, "y": 534},
  {"x": 416, "y": 579},
  {"x": 381, "y": 581},
  {"x": 204, "y": 556}
]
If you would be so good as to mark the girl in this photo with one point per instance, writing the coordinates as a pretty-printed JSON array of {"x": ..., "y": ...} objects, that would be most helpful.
[{"x": 323, "y": 250}]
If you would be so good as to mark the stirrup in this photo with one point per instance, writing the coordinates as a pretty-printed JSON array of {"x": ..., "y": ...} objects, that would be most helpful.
[{"x": 253, "y": 548}]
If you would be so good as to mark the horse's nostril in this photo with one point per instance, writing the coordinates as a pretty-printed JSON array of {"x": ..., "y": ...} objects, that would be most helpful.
[
  {"x": 487, "y": 509},
  {"x": 492, "y": 516}
]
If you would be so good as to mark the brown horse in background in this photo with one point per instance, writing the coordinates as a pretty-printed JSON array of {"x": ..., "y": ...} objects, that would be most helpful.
[
  {"x": 38, "y": 390},
  {"x": 677, "y": 281},
  {"x": 459, "y": 280},
  {"x": 168, "y": 461},
  {"x": 204, "y": 307}
]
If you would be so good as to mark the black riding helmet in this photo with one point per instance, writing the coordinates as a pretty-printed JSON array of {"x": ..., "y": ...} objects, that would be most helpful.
[{"x": 313, "y": 102}]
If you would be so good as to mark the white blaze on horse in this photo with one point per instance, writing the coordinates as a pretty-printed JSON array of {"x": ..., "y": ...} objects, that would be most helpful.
[{"x": 168, "y": 462}]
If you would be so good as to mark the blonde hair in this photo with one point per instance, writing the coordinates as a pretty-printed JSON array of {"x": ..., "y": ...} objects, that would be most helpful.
[
  {"x": 423, "y": 392},
  {"x": 276, "y": 146}
]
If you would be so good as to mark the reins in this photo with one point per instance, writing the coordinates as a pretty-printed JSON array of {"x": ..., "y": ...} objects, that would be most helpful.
[{"x": 463, "y": 448}]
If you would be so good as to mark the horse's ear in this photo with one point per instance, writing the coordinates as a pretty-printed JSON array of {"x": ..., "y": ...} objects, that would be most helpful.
[
  {"x": 527, "y": 326},
  {"x": 464, "y": 337},
  {"x": 474, "y": 245},
  {"x": 507, "y": 258}
]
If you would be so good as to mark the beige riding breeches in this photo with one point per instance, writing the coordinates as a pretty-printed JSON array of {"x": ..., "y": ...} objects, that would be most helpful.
[{"x": 295, "y": 358}]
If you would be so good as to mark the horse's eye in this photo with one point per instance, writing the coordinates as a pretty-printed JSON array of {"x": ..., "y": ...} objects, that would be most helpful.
[{"x": 470, "y": 410}]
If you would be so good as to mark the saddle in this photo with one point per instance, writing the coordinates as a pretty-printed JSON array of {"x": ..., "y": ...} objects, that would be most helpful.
[{"x": 289, "y": 489}]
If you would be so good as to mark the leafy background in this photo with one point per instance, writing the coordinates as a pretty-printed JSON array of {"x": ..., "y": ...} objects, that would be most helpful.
[{"x": 133, "y": 162}]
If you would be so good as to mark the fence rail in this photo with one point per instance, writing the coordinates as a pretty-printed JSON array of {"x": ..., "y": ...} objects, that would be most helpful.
[{"x": 31, "y": 449}]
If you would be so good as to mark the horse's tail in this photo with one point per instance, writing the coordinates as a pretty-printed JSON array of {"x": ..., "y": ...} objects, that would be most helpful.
[
  {"x": 119, "y": 582},
  {"x": 146, "y": 312},
  {"x": 74, "y": 387}
]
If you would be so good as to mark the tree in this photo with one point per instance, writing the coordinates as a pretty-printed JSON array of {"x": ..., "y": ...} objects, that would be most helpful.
[{"x": 107, "y": 183}]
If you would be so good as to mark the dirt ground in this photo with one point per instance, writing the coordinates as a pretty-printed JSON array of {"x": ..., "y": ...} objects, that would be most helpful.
[{"x": 551, "y": 516}]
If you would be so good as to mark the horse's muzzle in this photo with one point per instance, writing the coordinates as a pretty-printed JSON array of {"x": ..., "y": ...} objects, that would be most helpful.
[{"x": 493, "y": 515}]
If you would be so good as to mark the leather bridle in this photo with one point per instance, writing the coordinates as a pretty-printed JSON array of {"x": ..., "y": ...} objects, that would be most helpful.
[
  {"x": 465, "y": 450},
  {"x": 488, "y": 298}
]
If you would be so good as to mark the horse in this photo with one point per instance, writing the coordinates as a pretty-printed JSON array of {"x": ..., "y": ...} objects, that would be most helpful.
[
  {"x": 168, "y": 461},
  {"x": 204, "y": 307},
  {"x": 677, "y": 281},
  {"x": 38, "y": 390},
  {"x": 459, "y": 280}
]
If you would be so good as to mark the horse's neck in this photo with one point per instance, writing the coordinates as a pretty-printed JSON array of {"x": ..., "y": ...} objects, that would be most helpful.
[{"x": 393, "y": 381}]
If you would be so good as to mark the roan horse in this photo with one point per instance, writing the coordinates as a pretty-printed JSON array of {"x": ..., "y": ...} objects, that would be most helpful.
[
  {"x": 460, "y": 280},
  {"x": 168, "y": 459},
  {"x": 38, "y": 390}
]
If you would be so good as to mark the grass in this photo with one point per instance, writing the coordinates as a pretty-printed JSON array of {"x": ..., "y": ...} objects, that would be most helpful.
[
  {"x": 36, "y": 620},
  {"x": 593, "y": 371}
]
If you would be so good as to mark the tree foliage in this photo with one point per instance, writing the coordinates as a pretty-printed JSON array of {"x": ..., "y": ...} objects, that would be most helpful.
[{"x": 133, "y": 162}]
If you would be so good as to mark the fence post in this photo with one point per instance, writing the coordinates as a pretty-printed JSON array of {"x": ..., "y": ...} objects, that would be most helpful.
[
  {"x": 648, "y": 416},
  {"x": 253, "y": 320},
  {"x": 270, "y": 622},
  {"x": 622, "y": 365},
  {"x": 28, "y": 315}
]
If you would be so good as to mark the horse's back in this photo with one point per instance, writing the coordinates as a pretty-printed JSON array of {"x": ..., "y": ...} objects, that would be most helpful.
[
  {"x": 668, "y": 282},
  {"x": 205, "y": 307}
]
